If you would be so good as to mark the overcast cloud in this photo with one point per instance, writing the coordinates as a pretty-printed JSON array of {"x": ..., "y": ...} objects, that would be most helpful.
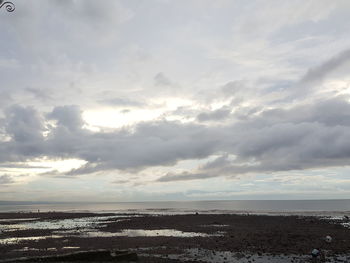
[{"x": 109, "y": 97}]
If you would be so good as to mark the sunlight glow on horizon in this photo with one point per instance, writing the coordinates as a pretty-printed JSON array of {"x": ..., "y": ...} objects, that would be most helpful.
[{"x": 119, "y": 117}]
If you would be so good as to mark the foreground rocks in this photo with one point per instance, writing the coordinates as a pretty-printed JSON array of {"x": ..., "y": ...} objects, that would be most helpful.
[
  {"x": 242, "y": 234},
  {"x": 82, "y": 256}
]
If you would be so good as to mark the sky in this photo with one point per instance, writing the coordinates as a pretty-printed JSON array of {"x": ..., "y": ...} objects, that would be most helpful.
[{"x": 143, "y": 100}]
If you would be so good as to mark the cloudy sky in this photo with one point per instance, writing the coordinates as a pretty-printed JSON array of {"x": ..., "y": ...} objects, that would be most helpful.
[{"x": 174, "y": 100}]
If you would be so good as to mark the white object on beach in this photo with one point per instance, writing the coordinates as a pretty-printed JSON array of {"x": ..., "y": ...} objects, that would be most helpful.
[
  {"x": 315, "y": 252},
  {"x": 328, "y": 239}
]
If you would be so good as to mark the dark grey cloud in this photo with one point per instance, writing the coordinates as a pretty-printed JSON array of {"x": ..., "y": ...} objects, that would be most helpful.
[
  {"x": 24, "y": 124},
  {"x": 184, "y": 176},
  {"x": 68, "y": 116},
  {"x": 322, "y": 71},
  {"x": 330, "y": 112},
  {"x": 310, "y": 83},
  {"x": 306, "y": 136},
  {"x": 150, "y": 144}
]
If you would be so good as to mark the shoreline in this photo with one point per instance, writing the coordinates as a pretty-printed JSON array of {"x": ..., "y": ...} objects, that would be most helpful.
[
  {"x": 282, "y": 207},
  {"x": 160, "y": 236},
  {"x": 306, "y": 213}
]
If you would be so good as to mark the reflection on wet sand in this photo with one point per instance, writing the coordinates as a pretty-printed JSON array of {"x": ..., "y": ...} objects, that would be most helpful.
[
  {"x": 15, "y": 240},
  {"x": 136, "y": 233},
  {"x": 85, "y": 222}
]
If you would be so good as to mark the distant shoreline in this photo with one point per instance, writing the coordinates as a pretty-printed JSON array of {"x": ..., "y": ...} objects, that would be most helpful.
[{"x": 271, "y": 207}]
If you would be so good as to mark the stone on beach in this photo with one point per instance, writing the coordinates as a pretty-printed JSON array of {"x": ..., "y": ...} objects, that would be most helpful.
[
  {"x": 328, "y": 239},
  {"x": 315, "y": 253}
]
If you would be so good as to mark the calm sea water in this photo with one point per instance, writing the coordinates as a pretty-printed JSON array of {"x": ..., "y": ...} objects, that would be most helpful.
[{"x": 249, "y": 206}]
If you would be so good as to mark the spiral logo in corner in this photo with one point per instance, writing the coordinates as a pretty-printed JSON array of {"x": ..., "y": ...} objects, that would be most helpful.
[{"x": 9, "y": 6}]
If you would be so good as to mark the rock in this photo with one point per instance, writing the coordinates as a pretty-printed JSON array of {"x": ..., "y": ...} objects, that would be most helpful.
[
  {"x": 328, "y": 239},
  {"x": 315, "y": 253},
  {"x": 239, "y": 255}
]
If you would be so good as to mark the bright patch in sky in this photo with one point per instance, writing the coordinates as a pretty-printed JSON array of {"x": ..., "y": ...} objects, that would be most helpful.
[
  {"x": 57, "y": 165},
  {"x": 115, "y": 118}
]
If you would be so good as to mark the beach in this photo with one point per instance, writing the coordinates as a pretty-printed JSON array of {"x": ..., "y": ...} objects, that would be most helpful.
[{"x": 176, "y": 238}]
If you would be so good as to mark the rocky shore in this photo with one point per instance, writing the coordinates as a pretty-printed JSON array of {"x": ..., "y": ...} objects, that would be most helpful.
[{"x": 176, "y": 238}]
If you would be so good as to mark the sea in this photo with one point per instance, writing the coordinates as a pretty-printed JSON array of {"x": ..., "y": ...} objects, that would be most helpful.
[{"x": 272, "y": 207}]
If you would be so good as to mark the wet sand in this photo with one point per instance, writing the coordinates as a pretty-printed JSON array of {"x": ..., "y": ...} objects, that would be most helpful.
[{"x": 175, "y": 238}]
